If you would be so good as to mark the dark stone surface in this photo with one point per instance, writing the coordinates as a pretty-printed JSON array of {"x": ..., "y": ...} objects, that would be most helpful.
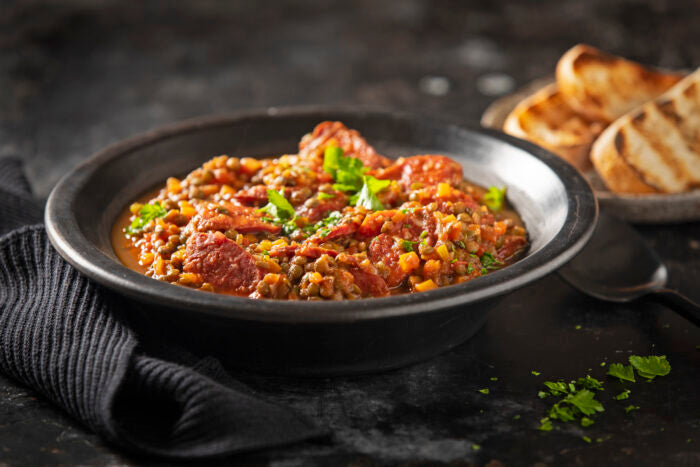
[{"x": 76, "y": 76}]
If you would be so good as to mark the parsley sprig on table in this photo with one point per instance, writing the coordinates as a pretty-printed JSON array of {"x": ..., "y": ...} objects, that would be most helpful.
[
  {"x": 349, "y": 176},
  {"x": 147, "y": 213},
  {"x": 578, "y": 402}
]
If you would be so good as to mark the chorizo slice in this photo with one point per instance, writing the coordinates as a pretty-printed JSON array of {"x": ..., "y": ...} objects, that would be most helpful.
[
  {"x": 370, "y": 284},
  {"x": 321, "y": 210},
  {"x": 222, "y": 262},
  {"x": 429, "y": 169},
  {"x": 241, "y": 218},
  {"x": 350, "y": 141},
  {"x": 384, "y": 248}
]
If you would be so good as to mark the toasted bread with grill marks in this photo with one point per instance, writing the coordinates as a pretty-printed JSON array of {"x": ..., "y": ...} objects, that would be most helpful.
[
  {"x": 605, "y": 87},
  {"x": 546, "y": 119},
  {"x": 655, "y": 148}
]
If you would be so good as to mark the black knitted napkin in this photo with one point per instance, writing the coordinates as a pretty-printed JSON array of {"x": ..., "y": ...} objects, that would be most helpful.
[{"x": 67, "y": 338}]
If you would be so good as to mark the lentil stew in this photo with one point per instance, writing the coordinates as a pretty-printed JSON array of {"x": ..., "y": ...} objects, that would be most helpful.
[{"x": 335, "y": 221}]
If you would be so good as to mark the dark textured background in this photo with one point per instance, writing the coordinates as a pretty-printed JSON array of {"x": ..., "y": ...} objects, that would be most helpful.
[{"x": 78, "y": 75}]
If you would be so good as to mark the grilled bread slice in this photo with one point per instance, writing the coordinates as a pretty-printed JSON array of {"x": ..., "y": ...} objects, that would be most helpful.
[
  {"x": 655, "y": 148},
  {"x": 545, "y": 119},
  {"x": 604, "y": 87}
]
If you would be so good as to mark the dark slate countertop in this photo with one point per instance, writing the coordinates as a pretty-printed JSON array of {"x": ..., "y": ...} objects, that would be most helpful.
[{"x": 77, "y": 76}]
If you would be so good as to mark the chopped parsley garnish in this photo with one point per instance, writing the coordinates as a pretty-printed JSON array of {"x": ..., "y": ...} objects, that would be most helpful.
[
  {"x": 542, "y": 394},
  {"x": 516, "y": 417},
  {"x": 618, "y": 370},
  {"x": 147, "y": 213},
  {"x": 460, "y": 244},
  {"x": 475, "y": 447},
  {"x": 326, "y": 195},
  {"x": 585, "y": 421},
  {"x": 623, "y": 395},
  {"x": 494, "y": 198},
  {"x": 367, "y": 197},
  {"x": 484, "y": 391},
  {"x": 586, "y": 439},
  {"x": 590, "y": 383},
  {"x": 407, "y": 245},
  {"x": 574, "y": 405},
  {"x": 630, "y": 408},
  {"x": 470, "y": 268},
  {"x": 545, "y": 425},
  {"x": 278, "y": 207},
  {"x": 557, "y": 388},
  {"x": 346, "y": 171},
  {"x": 489, "y": 262},
  {"x": 494, "y": 378},
  {"x": 423, "y": 234},
  {"x": 535, "y": 373},
  {"x": 349, "y": 175},
  {"x": 279, "y": 211},
  {"x": 650, "y": 367},
  {"x": 322, "y": 226}
]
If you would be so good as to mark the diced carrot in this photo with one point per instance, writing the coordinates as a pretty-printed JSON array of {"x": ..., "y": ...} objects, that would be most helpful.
[
  {"x": 444, "y": 190},
  {"x": 315, "y": 278},
  {"x": 146, "y": 259},
  {"x": 431, "y": 267},
  {"x": 135, "y": 208},
  {"x": 499, "y": 228},
  {"x": 226, "y": 191},
  {"x": 186, "y": 209},
  {"x": 250, "y": 165},
  {"x": 409, "y": 261},
  {"x": 159, "y": 266},
  {"x": 271, "y": 278},
  {"x": 426, "y": 285},
  {"x": 443, "y": 252},
  {"x": 173, "y": 185},
  {"x": 488, "y": 233}
]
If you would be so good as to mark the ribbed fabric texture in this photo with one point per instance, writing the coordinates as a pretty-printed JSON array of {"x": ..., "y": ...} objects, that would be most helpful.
[{"x": 66, "y": 337}]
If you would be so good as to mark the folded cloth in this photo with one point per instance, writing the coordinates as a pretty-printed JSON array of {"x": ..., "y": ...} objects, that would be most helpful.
[{"x": 67, "y": 338}]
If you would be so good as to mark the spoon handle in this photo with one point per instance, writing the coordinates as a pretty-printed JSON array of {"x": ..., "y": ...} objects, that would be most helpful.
[{"x": 679, "y": 303}]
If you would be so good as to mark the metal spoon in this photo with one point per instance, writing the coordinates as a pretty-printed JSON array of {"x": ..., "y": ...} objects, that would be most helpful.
[{"x": 617, "y": 265}]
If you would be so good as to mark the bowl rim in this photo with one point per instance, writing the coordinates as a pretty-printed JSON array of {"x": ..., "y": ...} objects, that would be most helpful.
[{"x": 64, "y": 233}]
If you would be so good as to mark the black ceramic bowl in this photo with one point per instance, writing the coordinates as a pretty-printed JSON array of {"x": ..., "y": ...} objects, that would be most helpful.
[{"x": 555, "y": 202}]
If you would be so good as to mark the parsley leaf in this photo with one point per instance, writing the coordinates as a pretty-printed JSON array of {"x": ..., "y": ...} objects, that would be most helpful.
[
  {"x": 346, "y": 171},
  {"x": 623, "y": 395},
  {"x": 278, "y": 207},
  {"x": 630, "y": 408},
  {"x": 622, "y": 372},
  {"x": 494, "y": 198},
  {"x": 584, "y": 400},
  {"x": 326, "y": 195},
  {"x": 484, "y": 391},
  {"x": 590, "y": 383},
  {"x": 147, "y": 213},
  {"x": 333, "y": 219},
  {"x": 557, "y": 388},
  {"x": 489, "y": 261},
  {"x": 585, "y": 421},
  {"x": 367, "y": 197},
  {"x": 545, "y": 425},
  {"x": 407, "y": 245},
  {"x": 650, "y": 367},
  {"x": 349, "y": 175}
]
